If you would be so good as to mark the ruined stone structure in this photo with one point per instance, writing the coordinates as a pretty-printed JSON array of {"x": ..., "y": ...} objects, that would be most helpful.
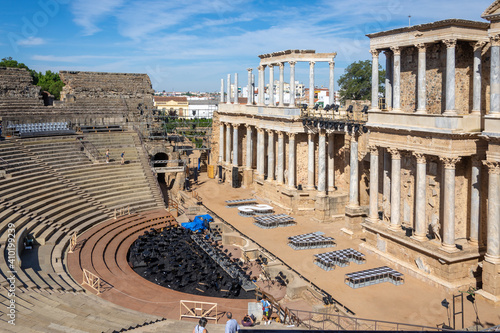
[
  {"x": 434, "y": 152},
  {"x": 305, "y": 167}
]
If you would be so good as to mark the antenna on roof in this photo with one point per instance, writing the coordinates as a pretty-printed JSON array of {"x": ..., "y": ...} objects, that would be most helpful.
[{"x": 409, "y": 20}]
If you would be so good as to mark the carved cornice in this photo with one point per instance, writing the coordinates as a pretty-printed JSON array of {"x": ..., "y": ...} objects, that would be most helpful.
[
  {"x": 421, "y": 158},
  {"x": 374, "y": 52},
  {"x": 493, "y": 167},
  {"x": 450, "y": 43},
  {"x": 449, "y": 162},
  {"x": 395, "y": 153},
  {"x": 396, "y": 50}
]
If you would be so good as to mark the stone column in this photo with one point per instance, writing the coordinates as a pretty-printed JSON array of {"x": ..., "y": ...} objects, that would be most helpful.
[
  {"x": 281, "y": 155},
  {"x": 373, "y": 215},
  {"x": 291, "y": 160},
  {"x": 236, "y": 144},
  {"x": 249, "y": 87},
  {"x": 228, "y": 101},
  {"x": 421, "y": 88},
  {"x": 420, "y": 186},
  {"x": 353, "y": 180},
  {"x": 270, "y": 155},
  {"x": 262, "y": 92},
  {"x": 475, "y": 203},
  {"x": 331, "y": 163},
  {"x": 450, "y": 77},
  {"x": 374, "y": 79},
  {"x": 228, "y": 143},
  {"x": 310, "y": 161},
  {"x": 395, "y": 189},
  {"x": 311, "y": 83},
  {"x": 493, "y": 220},
  {"x": 495, "y": 76},
  {"x": 235, "y": 88},
  {"x": 386, "y": 181},
  {"x": 449, "y": 204},
  {"x": 292, "y": 83},
  {"x": 388, "y": 80},
  {"x": 221, "y": 142},
  {"x": 249, "y": 147},
  {"x": 260, "y": 152},
  {"x": 476, "y": 83},
  {"x": 396, "y": 90},
  {"x": 221, "y": 91},
  {"x": 322, "y": 162},
  {"x": 282, "y": 83},
  {"x": 271, "y": 86},
  {"x": 331, "y": 85}
]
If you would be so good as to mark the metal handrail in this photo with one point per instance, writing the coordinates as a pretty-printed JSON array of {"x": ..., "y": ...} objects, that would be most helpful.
[{"x": 91, "y": 150}]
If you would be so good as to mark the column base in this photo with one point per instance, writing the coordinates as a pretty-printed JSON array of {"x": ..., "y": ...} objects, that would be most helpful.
[
  {"x": 310, "y": 188},
  {"x": 372, "y": 219},
  {"x": 421, "y": 111},
  {"x": 331, "y": 189},
  {"x": 448, "y": 248},
  {"x": 495, "y": 260},
  {"x": 395, "y": 227},
  {"x": 476, "y": 112},
  {"x": 321, "y": 194},
  {"x": 395, "y": 110},
  {"x": 420, "y": 238},
  {"x": 449, "y": 113},
  {"x": 473, "y": 242}
]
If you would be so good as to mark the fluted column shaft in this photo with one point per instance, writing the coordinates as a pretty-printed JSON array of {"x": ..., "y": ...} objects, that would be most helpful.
[
  {"x": 235, "y": 88},
  {"x": 386, "y": 183},
  {"x": 260, "y": 151},
  {"x": 331, "y": 84},
  {"x": 331, "y": 163},
  {"x": 322, "y": 162},
  {"x": 292, "y": 83},
  {"x": 281, "y": 155},
  {"x": 450, "y": 77},
  {"x": 421, "y": 89},
  {"x": 395, "y": 189},
  {"x": 420, "y": 186},
  {"x": 236, "y": 144},
  {"x": 221, "y": 143},
  {"x": 282, "y": 84},
  {"x": 396, "y": 91},
  {"x": 373, "y": 214},
  {"x": 449, "y": 204},
  {"x": 228, "y": 101},
  {"x": 271, "y": 85},
  {"x": 249, "y": 147},
  {"x": 228, "y": 143},
  {"x": 270, "y": 155},
  {"x": 291, "y": 160},
  {"x": 495, "y": 76},
  {"x": 493, "y": 219},
  {"x": 476, "y": 83},
  {"x": 475, "y": 203},
  {"x": 221, "y": 91},
  {"x": 353, "y": 179},
  {"x": 249, "y": 87},
  {"x": 374, "y": 79},
  {"x": 388, "y": 79},
  {"x": 262, "y": 80},
  {"x": 310, "y": 161},
  {"x": 311, "y": 83}
]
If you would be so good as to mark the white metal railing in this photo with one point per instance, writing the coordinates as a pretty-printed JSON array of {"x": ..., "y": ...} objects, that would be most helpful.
[{"x": 194, "y": 309}]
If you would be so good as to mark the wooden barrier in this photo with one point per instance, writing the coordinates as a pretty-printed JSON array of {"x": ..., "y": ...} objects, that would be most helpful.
[
  {"x": 193, "y": 309},
  {"x": 92, "y": 280}
]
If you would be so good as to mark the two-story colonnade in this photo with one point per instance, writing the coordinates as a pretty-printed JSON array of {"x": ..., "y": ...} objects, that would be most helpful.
[{"x": 435, "y": 151}]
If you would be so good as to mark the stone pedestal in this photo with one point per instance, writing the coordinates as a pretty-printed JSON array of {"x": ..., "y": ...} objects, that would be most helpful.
[
  {"x": 491, "y": 280},
  {"x": 322, "y": 209},
  {"x": 247, "y": 177},
  {"x": 354, "y": 216}
]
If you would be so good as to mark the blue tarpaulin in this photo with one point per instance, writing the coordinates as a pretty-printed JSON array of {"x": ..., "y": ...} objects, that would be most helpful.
[{"x": 199, "y": 223}]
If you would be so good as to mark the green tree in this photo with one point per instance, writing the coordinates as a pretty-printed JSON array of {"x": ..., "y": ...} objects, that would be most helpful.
[
  {"x": 50, "y": 82},
  {"x": 356, "y": 82}
]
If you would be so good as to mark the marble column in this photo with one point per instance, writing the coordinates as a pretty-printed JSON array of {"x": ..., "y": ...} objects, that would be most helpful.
[
  {"x": 449, "y": 204},
  {"x": 292, "y": 83},
  {"x": 493, "y": 219},
  {"x": 249, "y": 147},
  {"x": 495, "y": 76},
  {"x": 249, "y": 87},
  {"x": 260, "y": 152},
  {"x": 353, "y": 179},
  {"x": 322, "y": 162},
  {"x": 450, "y": 77},
  {"x": 331, "y": 163},
  {"x": 331, "y": 85},
  {"x": 386, "y": 183},
  {"x": 395, "y": 189},
  {"x": 221, "y": 91},
  {"x": 262, "y": 82},
  {"x": 421, "y": 82},
  {"x": 388, "y": 80},
  {"x": 236, "y": 144},
  {"x": 228, "y": 101},
  {"x": 373, "y": 214},
  {"x": 270, "y": 155},
  {"x": 221, "y": 143},
  {"x": 476, "y": 81},
  {"x": 310, "y": 161},
  {"x": 475, "y": 202},
  {"x": 311, "y": 83},
  {"x": 271, "y": 86},
  {"x": 282, "y": 83},
  {"x": 281, "y": 156},
  {"x": 375, "y": 54},
  {"x": 235, "y": 88},
  {"x": 228, "y": 143},
  {"x": 291, "y": 160},
  {"x": 396, "y": 89},
  {"x": 420, "y": 187}
]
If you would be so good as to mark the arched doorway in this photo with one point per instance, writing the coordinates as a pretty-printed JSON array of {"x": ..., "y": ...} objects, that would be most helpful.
[{"x": 162, "y": 179}]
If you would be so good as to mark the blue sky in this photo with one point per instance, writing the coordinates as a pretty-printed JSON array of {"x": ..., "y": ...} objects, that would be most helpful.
[{"x": 192, "y": 44}]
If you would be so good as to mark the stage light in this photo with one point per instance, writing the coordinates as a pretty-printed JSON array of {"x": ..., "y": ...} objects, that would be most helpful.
[{"x": 349, "y": 109}]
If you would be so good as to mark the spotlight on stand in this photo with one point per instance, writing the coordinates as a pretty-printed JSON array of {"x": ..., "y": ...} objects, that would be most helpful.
[
  {"x": 365, "y": 109},
  {"x": 349, "y": 109},
  {"x": 356, "y": 127},
  {"x": 330, "y": 124},
  {"x": 365, "y": 129},
  {"x": 316, "y": 106},
  {"x": 327, "y": 107},
  {"x": 309, "y": 122},
  {"x": 315, "y": 122},
  {"x": 349, "y": 127},
  {"x": 335, "y": 125},
  {"x": 321, "y": 124},
  {"x": 336, "y": 108},
  {"x": 304, "y": 122},
  {"x": 341, "y": 126}
]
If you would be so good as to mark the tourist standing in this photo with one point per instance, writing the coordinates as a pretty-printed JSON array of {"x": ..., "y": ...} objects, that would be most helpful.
[
  {"x": 266, "y": 311},
  {"x": 200, "y": 328},
  {"x": 107, "y": 155},
  {"x": 123, "y": 157},
  {"x": 231, "y": 325}
]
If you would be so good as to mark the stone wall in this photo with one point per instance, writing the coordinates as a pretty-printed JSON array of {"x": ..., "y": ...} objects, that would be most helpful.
[{"x": 16, "y": 83}]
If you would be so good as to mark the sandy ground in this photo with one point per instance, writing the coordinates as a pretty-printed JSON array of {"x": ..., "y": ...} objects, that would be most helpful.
[{"x": 414, "y": 302}]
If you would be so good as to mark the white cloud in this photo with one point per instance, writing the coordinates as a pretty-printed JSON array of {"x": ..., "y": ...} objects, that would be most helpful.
[
  {"x": 31, "y": 41},
  {"x": 87, "y": 13},
  {"x": 73, "y": 59}
]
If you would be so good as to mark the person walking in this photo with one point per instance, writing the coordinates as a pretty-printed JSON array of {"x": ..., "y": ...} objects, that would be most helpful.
[
  {"x": 200, "y": 328},
  {"x": 123, "y": 157},
  {"x": 231, "y": 325}
]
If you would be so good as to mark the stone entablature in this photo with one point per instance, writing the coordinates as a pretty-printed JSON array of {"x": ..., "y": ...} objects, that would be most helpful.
[{"x": 276, "y": 58}]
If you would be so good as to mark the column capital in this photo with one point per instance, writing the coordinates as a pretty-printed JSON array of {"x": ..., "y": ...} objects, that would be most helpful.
[
  {"x": 235, "y": 125},
  {"x": 395, "y": 153},
  {"x": 291, "y": 136},
  {"x": 374, "y": 52},
  {"x": 261, "y": 67},
  {"x": 248, "y": 126},
  {"x": 322, "y": 132},
  {"x": 495, "y": 40},
  {"x": 292, "y": 63},
  {"x": 493, "y": 167},
  {"x": 250, "y": 70},
  {"x": 282, "y": 65},
  {"x": 269, "y": 131},
  {"x": 396, "y": 50},
  {"x": 373, "y": 150},
  {"x": 310, "y": 135},
  {"x": 449, "y": 162},
  {"x": 478, "y": 45},
  {"x": 311, "y": 63},
  {"x": 420, "y": 157},
  {"x": 280, "y": 134},
  {"x": 450, "y": 43},
  {"x": 270, "y": 65},
  {"x": 421, "y": 47},
  {"x": 332, "y": 64},
  {"x": 260, "y": 130}
]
